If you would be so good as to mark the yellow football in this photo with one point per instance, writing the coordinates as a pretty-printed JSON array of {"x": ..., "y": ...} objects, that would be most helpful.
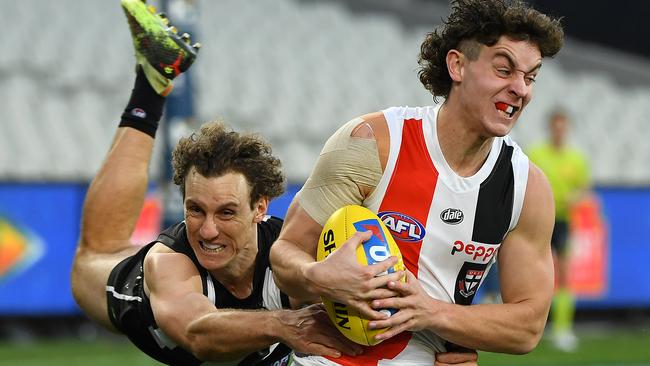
[{"x": 337, "y": 230}]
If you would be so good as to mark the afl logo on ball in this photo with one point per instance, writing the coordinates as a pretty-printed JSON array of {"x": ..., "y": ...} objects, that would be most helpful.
[{"x": 452, "y": 216}]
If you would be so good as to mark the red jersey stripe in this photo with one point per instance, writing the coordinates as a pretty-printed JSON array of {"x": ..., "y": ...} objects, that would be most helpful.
[
  {"x": 411, "y": 186},
  {"x": 410, "y": 192}
]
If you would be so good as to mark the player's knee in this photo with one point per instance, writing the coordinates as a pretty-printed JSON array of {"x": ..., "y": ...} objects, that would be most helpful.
[
  {"x": 79, "y": 274},
  {"x": 76, "y": 279},
  {"x": 81, "y": 256}
]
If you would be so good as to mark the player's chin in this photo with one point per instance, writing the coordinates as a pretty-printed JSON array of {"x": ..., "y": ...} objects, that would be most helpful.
[{"x": 502, "y": 127}]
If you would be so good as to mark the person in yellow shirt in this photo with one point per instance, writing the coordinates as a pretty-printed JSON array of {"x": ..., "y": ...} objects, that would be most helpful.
[{"x": 568, "y": 173}]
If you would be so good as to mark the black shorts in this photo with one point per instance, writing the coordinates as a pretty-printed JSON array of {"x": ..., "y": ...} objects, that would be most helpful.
[
  {"x": 124, "y": 290},
  {"x": 560, "y": 236}
]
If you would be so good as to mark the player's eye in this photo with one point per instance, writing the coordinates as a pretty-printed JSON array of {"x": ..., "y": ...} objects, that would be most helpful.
[
  {"x": 227, "y": 213},
  {"x": 530, "y": 79},
  {"x": 503, "y": 71},
  {"x": 194, "y": 209}
]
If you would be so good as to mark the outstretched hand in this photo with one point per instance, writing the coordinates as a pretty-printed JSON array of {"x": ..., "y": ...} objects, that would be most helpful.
[
  {"x": 341, "y": 278},
  {"x": 310, "y": 331}
]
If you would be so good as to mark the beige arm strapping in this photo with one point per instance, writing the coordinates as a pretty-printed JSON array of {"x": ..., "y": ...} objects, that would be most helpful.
[{"x": 344, "y": 164}]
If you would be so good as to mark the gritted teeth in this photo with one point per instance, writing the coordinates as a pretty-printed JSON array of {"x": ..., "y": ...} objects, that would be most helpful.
[
  {"x": 514, "y": 110},
  {"x": 211, "y": 247},
  {"x": 509, "y": 109}
]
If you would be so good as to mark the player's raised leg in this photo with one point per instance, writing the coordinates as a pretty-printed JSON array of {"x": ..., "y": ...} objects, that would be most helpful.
[{"x": 116, "y": 194}]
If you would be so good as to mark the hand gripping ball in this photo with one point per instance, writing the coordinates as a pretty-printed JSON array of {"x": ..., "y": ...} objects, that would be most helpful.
[{"x": 337, "y": 230}]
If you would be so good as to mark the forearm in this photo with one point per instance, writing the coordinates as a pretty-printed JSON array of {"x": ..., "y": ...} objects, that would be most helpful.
[
  {"x": 289, "y": 266},
  {"x": 231, "y": 334},
  {"x": 506, "y": 328}
]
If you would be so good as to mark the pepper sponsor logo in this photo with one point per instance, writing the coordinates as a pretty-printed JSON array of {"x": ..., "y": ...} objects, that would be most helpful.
[
  {"x": 403, "y": 227},
  {"x": 19, "y": 248},
  {"x": 476, "y": 252}
]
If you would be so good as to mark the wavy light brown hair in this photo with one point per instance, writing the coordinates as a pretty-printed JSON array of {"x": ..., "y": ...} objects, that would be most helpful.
[
  {"x": 216, "y": 150},
  {"x": 483, "y": 21}
]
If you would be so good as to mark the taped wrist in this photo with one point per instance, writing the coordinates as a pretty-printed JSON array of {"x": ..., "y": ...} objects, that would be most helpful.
[{"x": 145, "y": 106}]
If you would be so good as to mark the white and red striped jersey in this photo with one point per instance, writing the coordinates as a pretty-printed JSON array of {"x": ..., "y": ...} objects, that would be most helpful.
[{"x": 449, "y": 228}]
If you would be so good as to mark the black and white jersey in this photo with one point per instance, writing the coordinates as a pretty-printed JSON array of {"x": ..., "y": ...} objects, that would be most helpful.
[{"x": 130, "y": 311}]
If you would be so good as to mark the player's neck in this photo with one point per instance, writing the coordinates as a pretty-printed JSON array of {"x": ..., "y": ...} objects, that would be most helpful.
[
  {"x": 464, "y": 149},
  {"x": 241, "y": 287}
]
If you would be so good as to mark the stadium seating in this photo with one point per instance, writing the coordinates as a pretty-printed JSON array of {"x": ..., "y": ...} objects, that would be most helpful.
[{"x": 292, "y": 71}]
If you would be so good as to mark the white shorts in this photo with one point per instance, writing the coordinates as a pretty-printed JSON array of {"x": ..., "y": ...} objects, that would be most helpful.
[{"x": 420, "y": 351}]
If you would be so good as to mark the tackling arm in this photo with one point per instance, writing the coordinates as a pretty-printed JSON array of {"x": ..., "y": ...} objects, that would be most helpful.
[
  {"x": 291, "y": 260},
  {"x": 192, "y": 321}
]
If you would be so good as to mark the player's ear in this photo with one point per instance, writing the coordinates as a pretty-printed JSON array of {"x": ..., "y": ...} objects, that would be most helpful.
[
  {"x": 260, "y": 208},
  {"x": 455, "y": 60}
]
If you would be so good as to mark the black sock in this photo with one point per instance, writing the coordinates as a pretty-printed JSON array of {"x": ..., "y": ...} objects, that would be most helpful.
[{"x": 145, "y": 106}]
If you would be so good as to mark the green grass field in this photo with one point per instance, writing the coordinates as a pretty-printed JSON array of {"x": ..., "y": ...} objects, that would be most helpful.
[{"x": 597, "y": 348}]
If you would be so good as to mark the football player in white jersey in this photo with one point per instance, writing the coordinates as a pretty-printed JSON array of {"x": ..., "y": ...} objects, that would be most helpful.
[{"x": 463, "y": 190}]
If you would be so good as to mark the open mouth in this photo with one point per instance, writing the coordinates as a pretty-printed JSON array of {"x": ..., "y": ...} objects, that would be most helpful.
[
  {"x": 507, "y": 109},
  {"x": 211, "y": 248}
]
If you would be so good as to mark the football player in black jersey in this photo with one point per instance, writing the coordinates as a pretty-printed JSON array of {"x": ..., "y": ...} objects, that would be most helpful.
[{"x": 203, "y": 291}]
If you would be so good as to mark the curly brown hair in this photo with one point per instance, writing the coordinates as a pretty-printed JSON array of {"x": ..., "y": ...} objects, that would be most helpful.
[
  {"x": 483, "y": 21},
  {"x": 216, "y": 150}
]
